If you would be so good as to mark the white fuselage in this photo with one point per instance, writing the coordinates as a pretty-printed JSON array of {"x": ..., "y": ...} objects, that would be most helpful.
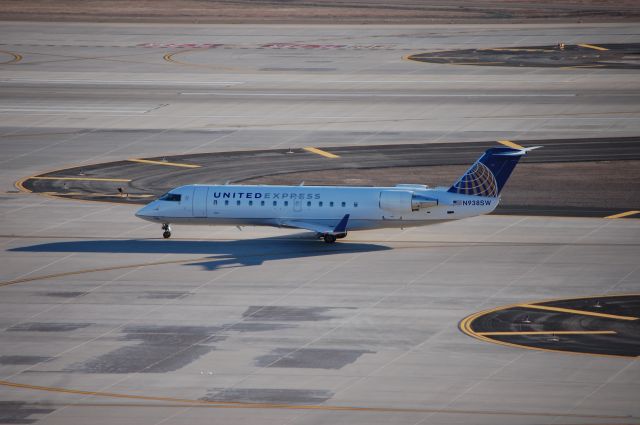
[{"x": 285, "y": 206}]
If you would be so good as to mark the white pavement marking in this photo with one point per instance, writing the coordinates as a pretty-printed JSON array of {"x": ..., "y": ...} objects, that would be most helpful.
[
  {"x": 118, "y": 82},
  {"x": 275, "y": 94},
  {"x": 75, "y": 110}
]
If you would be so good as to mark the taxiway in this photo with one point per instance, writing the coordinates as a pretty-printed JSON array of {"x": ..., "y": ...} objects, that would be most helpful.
[{"x": 101, "y": 320}]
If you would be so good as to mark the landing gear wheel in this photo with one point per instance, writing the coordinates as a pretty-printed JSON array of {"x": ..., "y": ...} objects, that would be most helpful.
[
  {"x": 167, "y": 231},
  {"x": 328, "y": 238}
]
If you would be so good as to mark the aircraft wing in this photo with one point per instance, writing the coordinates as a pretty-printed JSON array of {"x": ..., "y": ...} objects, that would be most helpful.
[{"x": 340, "y": 228}]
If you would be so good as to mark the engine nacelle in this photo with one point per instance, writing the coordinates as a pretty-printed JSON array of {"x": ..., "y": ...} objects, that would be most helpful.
[{"x": 405, "y": 201}]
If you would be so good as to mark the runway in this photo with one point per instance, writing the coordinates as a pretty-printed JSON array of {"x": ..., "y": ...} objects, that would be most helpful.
[{"x": 101, "y": 320}]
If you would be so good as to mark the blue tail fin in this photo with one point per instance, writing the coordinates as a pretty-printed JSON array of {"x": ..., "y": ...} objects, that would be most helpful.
[{"x": 488, "y": 175}]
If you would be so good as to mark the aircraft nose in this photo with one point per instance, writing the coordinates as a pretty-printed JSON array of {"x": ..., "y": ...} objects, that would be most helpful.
[{"x": 144, "y": 212}]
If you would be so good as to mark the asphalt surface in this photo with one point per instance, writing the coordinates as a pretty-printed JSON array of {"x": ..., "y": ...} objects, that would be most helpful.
[
  {"x": 605, "y": 56},
  {"x": 599, "y": 325},
  {"x": 149, "y": 180},
  {"x": 102, "y": 321}
]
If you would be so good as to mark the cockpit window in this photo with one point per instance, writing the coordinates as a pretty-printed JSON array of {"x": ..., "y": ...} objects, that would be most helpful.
[{"x": 172, "y": 197}]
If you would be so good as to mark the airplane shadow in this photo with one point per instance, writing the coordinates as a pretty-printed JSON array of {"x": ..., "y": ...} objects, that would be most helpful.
[{"x": 217, "y": 254}]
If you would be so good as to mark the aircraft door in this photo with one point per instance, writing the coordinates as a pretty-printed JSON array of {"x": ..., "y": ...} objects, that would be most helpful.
[{"x": 200, "y": 201}]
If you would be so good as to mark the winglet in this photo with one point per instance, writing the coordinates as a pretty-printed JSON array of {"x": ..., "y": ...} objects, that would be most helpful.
[
  {"x": 519, "y": 152},
  {"x": 519, "y": 149},
  {"x": 342, "y": 226}
]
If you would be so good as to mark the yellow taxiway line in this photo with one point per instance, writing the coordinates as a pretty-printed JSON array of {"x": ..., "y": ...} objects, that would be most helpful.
[
  {"x": 623, "y": 214},
  {"x": 580, "y": 312},
  {"x": 510, "y": 144},
  {"x": 547, "y": 333},
  {"x": 171, "y": 164},
  {"x": 591, "y": 46},
  {"x": 95, "y": 179},
  {"x": 321, "y": 152},
  {"x": 181, "y": 402},
  {"x": 16, "y": 57},
  {"x": 100, "y": 269}
]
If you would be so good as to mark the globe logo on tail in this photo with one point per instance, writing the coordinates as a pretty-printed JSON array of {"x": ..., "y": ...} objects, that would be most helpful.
[{"x": 478, "y": 181}]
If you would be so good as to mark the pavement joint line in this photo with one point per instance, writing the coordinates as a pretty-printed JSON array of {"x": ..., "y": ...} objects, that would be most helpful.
[
  {"x": 171, "y": 164},
  {"x": 95, "y": 270},
  {"x": 580, "y": 312},
  {"x": 399, "y": 290},
  {"x": 99, "y": 179},
  {"x": 281, "y": 298},
  {"x": 70, "y": 301},
  {"x": 73, "y": 136},
  {"x": 128, "y": 323},
  {"x": 119, "y": 267},
  {"x": 510, "y": 144},
  {"x": 508, "y": 333},
  {"x": 546, "y": 259},
  {"x": 227, "y": 327},
  {"x": 320, "y": 152},
  {"x": 623, "y": 214},
  {"x": 592, "y": 46}
]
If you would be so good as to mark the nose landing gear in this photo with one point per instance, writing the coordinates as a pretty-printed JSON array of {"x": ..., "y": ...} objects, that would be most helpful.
[{"x": 167, "y": 231}]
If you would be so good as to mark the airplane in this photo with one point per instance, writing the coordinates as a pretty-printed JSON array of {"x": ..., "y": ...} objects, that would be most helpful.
[{"x": 333, "y": 211}]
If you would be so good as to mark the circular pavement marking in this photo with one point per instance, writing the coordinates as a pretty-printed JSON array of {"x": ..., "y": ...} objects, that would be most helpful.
[
  {"x": 601, "y": 56},
  {"x": 607, "y": 325}
]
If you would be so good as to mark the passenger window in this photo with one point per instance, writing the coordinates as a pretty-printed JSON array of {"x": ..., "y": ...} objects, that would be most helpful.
[
  {"x": 226, "y": 202},
  {"x": 344, "y": 204},
  {"x": 331, "y": 203},
  {"x": 262, "y": 203},
  {"x": 308, "y": 203},
  {"x": 355, "y": 204},
  {"x": 275, "y": 203},
  {"x": 286, "y": 203},
  {"x": 250, "y": 203},
  {"x": 320, "y": 203},
  {"x": 215, "y": 202},
  {"x": 237, "y": 202}
]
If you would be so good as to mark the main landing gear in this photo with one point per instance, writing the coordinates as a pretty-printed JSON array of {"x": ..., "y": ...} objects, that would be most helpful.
[
  {"x": 167, "y": 231},
  {"x": 331, "y": 237}
]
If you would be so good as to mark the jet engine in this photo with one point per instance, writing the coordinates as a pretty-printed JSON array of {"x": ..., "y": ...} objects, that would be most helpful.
[{"x": 405, "y": 201}]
